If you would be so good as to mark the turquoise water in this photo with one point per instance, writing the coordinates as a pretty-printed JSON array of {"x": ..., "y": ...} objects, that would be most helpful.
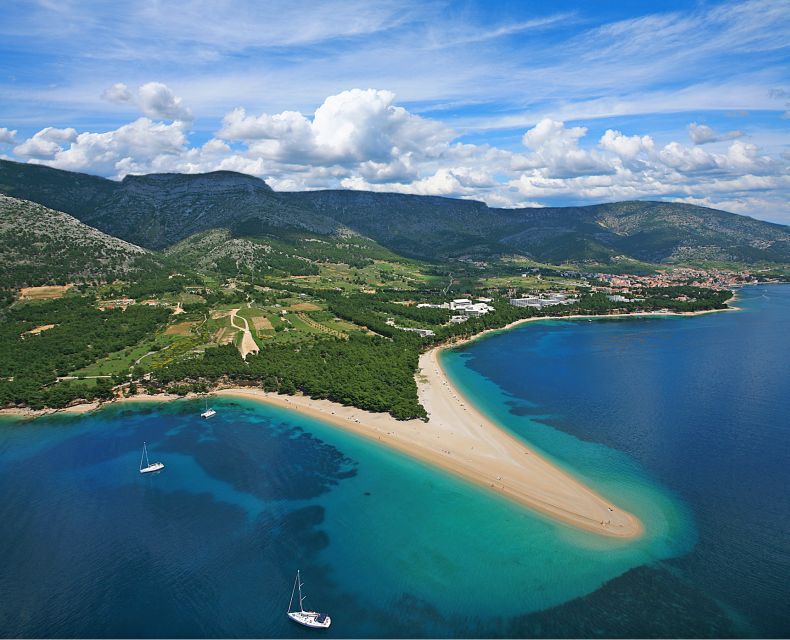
[
  {"x": 696, "y": 406},
  {"x": 387, "y": 545}
]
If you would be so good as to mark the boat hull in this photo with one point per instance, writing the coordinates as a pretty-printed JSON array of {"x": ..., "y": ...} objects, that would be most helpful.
[
  {"x": 152, "y": 468},
  {"x": 311, "y": 619}
]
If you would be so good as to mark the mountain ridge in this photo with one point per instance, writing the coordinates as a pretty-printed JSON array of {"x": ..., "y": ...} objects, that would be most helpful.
[
  {"x": 158, "y": 210},
  {"x": 39, "y": 245}
]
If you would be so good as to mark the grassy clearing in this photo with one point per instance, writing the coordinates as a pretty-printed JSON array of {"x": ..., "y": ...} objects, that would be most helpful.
[
  {"x": 176, "y": 350},
  {"x": 44, "y": 293},
  {"x": 262, "y": 323},
  {"x": 119, "y": 362},
  {"x": 179, "y": 329},
  {"x": 341, "y": 325},
  {"x": 297, "y": 324},
  {"x": 35, "y": 331},
  {"x": 187, "y": 298},
  {"x": 304, "y": 306},
  {"x": 250, "y": 313},
  {"x": 532, "y": 282}
]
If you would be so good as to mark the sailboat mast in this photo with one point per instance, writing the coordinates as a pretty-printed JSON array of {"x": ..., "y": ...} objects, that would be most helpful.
[
  {"x": 299, "y": 580},
  {"x": 141, "y": 457},
  {"x": 145, "y": 450},
  {"x": 290, "y": 603}
]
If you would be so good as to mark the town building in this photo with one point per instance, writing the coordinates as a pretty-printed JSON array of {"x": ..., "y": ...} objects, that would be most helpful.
[{"x": 420, "y": 332}]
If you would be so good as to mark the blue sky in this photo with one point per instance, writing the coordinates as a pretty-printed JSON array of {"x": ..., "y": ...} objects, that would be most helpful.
[{"x": 514, "y": 103}]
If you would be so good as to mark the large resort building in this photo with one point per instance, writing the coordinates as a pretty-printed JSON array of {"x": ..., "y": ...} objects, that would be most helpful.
[{"x": 546, "y": 301}]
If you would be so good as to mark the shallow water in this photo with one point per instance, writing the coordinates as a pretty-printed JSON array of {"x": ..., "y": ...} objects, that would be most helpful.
[
  {"x": 391, "y": 547},
  {"x": 700, "y": 405}
]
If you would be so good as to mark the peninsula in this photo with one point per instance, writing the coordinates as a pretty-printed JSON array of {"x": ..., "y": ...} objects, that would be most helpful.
[{"x": 458, "y": 438}]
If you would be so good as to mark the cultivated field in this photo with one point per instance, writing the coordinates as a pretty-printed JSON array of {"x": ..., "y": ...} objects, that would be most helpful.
[{"x": 44, "y": 293}]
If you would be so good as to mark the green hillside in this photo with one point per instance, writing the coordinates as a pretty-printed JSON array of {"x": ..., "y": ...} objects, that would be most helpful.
[
  {"x": 159, "y": 210},
  {"x": 40, "y": 246}
]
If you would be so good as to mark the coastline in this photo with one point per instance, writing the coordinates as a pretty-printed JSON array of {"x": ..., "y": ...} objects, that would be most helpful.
[
  {"x": 456, "y": 438},
  {"x": 460, "y": 440},
  {"x": 87, "y": 407},
  {"x": 457, "y": 342}
]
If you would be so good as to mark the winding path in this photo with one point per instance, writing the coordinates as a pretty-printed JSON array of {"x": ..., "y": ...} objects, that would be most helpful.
[{"x": 247, "y": 344}]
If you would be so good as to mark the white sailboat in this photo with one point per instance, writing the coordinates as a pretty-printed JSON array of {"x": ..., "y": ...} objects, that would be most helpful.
[
  {"x": 149, "y": 466},
  {"x": 208, "y": 413},
  {"x": 311, "y": 619}
]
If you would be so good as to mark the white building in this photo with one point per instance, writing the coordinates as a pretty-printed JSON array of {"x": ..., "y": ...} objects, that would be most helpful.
[
  {"x": 421, "y": 332},
  {"x": 527, "y": 301},
  {"x": 477, "y": 309},
  {"x": 460, "y": 303},
  {"x": 538, "y": 302}
]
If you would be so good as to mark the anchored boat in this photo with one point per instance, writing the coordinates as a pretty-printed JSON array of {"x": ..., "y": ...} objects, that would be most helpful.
[
  {"x": 209, "y": 412},
  {"x": 150, "y": 467},
  {"x": 311, "y": 619}
]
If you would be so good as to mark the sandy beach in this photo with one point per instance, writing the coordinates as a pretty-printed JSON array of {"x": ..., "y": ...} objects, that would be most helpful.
[
  {"x": 459, "y": 439},
  {"x": 86, "y": 407}
]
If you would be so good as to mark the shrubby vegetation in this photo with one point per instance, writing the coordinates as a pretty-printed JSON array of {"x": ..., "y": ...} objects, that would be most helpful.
[
  {"x": 370, "y": 373},
  {"x": 31, "y": 363},
  {"x": 697, "y": 299},
  {"x": 40, "y": 246},
  {"x": 7, "y": 296}
]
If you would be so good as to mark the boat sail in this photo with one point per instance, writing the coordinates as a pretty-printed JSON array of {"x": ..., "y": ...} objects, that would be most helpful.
[
  {"x": 311, "y": 619},
  {"x": 149, "y": 467},
  {"x": 208, "y": 413}
]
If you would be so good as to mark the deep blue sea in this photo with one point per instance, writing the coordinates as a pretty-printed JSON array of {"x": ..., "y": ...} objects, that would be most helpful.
[{"x": 683, "y": 421}]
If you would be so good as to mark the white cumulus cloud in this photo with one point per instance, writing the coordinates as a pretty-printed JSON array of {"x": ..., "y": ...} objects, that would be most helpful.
[
  {"x": 137, "y": 147},
  {"x": 703, "y": 134},
  {"x": 118, "y": 93},
  {"x": 154, "y": 99},
  {"x": 45, "y": 144},
  {"x": 7, "y": 136},
  {"x": 351, "y": 127},
  {"x": 158, "y": 101},
  {"x": 687, "y": 159},
  {"x": 362, "y": 139},
  {"x": 625, "y": 146},
  {"x": 555, "y": 150}
]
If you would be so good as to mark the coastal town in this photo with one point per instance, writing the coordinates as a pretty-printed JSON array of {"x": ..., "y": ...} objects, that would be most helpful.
[{"x": 629, "y": 289}]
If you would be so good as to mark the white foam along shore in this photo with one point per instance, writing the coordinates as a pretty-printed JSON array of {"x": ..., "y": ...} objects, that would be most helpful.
[{"x": 459, "y": 439}]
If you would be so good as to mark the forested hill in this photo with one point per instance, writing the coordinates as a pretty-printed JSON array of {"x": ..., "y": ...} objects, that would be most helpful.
[
  {"x": 158, "y": 210},
  {"x": 41, "y": 246},
  {"x": 649, "y": 231},
  {"x": 77, "y": 194},
  {"x": 423, "y": 227},
  {"x": 418, "y": 226}
]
